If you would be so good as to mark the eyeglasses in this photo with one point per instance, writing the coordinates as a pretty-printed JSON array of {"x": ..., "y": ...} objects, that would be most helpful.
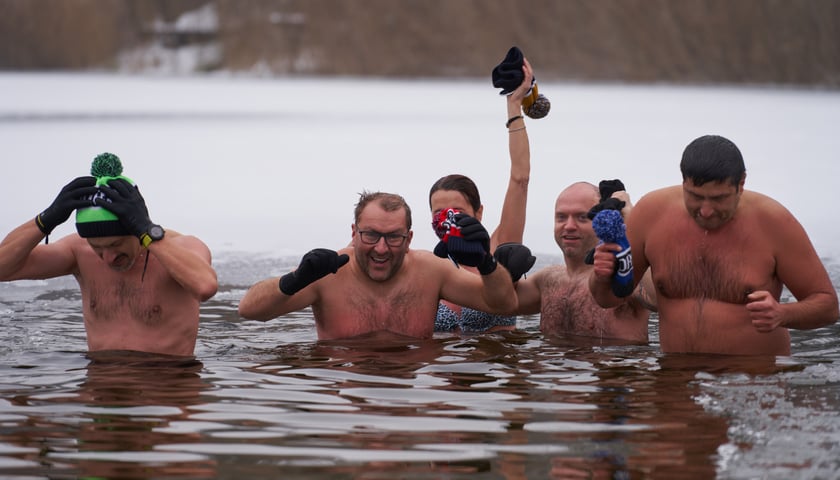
[{"x": 371, "y": 237}]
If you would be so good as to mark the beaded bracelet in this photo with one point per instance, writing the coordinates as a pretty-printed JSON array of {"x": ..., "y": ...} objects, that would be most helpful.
[{"x": 516, "y": 129}]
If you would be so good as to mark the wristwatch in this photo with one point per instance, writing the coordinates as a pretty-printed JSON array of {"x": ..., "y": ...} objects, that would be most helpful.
[{"x": 154, "y": 234}]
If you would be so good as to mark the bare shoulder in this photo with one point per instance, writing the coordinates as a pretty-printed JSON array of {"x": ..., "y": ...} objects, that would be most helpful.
[
  {"x": 185, "y": 240},
  {"x": 770, "y": 216},
  {"x": 83, "y": 257},
  {"x": 428, "y": 260},
  {"x": 425, "y": 265},
  {"x": 764, "y": 205},
  {"x": 70, "y": 241},
  {"x": 652, "y": 204},
  {"x": 71, "y": 244},
  {"x": 662, "y": 193},
  {"x": 766, "y": 212},
  {"x": 656, "y": 199}
]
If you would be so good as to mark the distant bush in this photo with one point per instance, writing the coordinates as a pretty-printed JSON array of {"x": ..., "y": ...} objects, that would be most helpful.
[{"x": 788, "y": 42}]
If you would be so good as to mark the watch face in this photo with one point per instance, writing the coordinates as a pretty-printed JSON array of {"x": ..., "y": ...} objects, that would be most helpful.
[{"x": 156, "y": 232}]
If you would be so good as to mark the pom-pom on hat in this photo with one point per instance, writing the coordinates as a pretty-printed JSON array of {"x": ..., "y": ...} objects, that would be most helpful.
[
  {"x": 536, "y": 105},
  {"x": 609, "y": 226},
  {"x": 95, "y": 221}
]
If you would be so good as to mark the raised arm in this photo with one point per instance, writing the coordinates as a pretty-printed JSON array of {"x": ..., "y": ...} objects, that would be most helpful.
[
  {"x": 264, "y": 300},
  {"x": 294, "y": 291},
  {"x": 498, "y": 292},
  {"x": 604, "y": 265},
  {"x": 187, "y": 259},
  {"x": 529, "y": 294},
  {"x": 20, "y": 255},
  {"x": 490, "y": 292},
  {"x": 512, "y": 221}
]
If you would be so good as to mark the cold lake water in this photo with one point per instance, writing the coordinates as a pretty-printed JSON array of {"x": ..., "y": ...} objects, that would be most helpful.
[{"x": 263, "y": 170}]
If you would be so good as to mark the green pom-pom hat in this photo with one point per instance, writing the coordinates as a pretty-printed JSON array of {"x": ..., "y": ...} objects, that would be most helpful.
[
  {"x": 96, "y": 221},
  {"x": 106, "y": 165}
]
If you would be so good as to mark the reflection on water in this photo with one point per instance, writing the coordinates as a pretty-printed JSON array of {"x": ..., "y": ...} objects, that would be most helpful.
[{"x": 267, "y": 400}]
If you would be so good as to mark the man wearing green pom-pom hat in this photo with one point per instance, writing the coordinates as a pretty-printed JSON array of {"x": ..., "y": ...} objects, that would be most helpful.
[{"x": 141, "y": 286}]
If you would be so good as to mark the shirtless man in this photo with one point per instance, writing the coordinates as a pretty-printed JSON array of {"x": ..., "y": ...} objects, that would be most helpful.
[
  {"x": 134, "y": 297},
  {"x": 720, "y": 256},
  {"x": 379, "y": 283},
  {"x": 560, "y": 293}
]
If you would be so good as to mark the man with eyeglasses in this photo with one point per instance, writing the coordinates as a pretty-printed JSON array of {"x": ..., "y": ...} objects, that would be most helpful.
[{"x": 378, "y": 284}]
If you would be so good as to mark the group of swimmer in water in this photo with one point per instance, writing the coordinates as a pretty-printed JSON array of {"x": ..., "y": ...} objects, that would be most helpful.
[{"x": 710, "y": 257}]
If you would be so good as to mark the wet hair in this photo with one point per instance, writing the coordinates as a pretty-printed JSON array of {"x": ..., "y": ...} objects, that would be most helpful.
[
  {"x": 712, "y": 158},
  {"x": 390, "y": 202},
  {"x": 458, "y": 183}
]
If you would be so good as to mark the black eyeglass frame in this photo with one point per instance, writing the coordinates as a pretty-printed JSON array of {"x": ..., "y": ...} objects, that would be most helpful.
[{"x": 391, "y": 239}]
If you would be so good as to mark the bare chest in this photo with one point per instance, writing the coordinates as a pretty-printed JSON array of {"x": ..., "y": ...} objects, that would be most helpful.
[
  {"x": 567, "y": 307},
  {"x": 725, "y": 266},
  {"x": 107, "y": 300},
  {"x": 352, "y": 312}
]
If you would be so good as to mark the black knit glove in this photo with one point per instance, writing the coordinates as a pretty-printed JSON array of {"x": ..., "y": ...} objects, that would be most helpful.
[
  {"x": 516, "y": 258},
  {"x": 75, "y": 194},
  {"x": 124, "y": 200},
  {"x": 508, "y": 75},
  {"x": 589, "y": 259},
  {"x": 608, "y": 204},
  {"x": 606, "y": 188},
  {"x": 473, "y": 233},
  {"x": 315, "y": 265}
]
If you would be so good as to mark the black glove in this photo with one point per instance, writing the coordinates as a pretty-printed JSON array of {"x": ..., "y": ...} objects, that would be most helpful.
[
  {"x": 441, "y": 250},
  {"x": 606, "y": 188},
  {"x": 472, "y": 230},
  {"x": 471, "y": 247},
  {"x": 508, "y": 75},
  {"x": 516, "y": 258},
  {"x": 590, "y": 257},
  {"x": 608, "y": 204},
  {"x": 452, "y": 242},
  {"x": 75, "y": 194},
  {"x": 124, "y": 200},
  {"x": 316, "y": 264}
]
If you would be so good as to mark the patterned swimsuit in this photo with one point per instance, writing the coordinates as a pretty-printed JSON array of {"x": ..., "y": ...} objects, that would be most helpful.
[{"x": 470, "y": 321}]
